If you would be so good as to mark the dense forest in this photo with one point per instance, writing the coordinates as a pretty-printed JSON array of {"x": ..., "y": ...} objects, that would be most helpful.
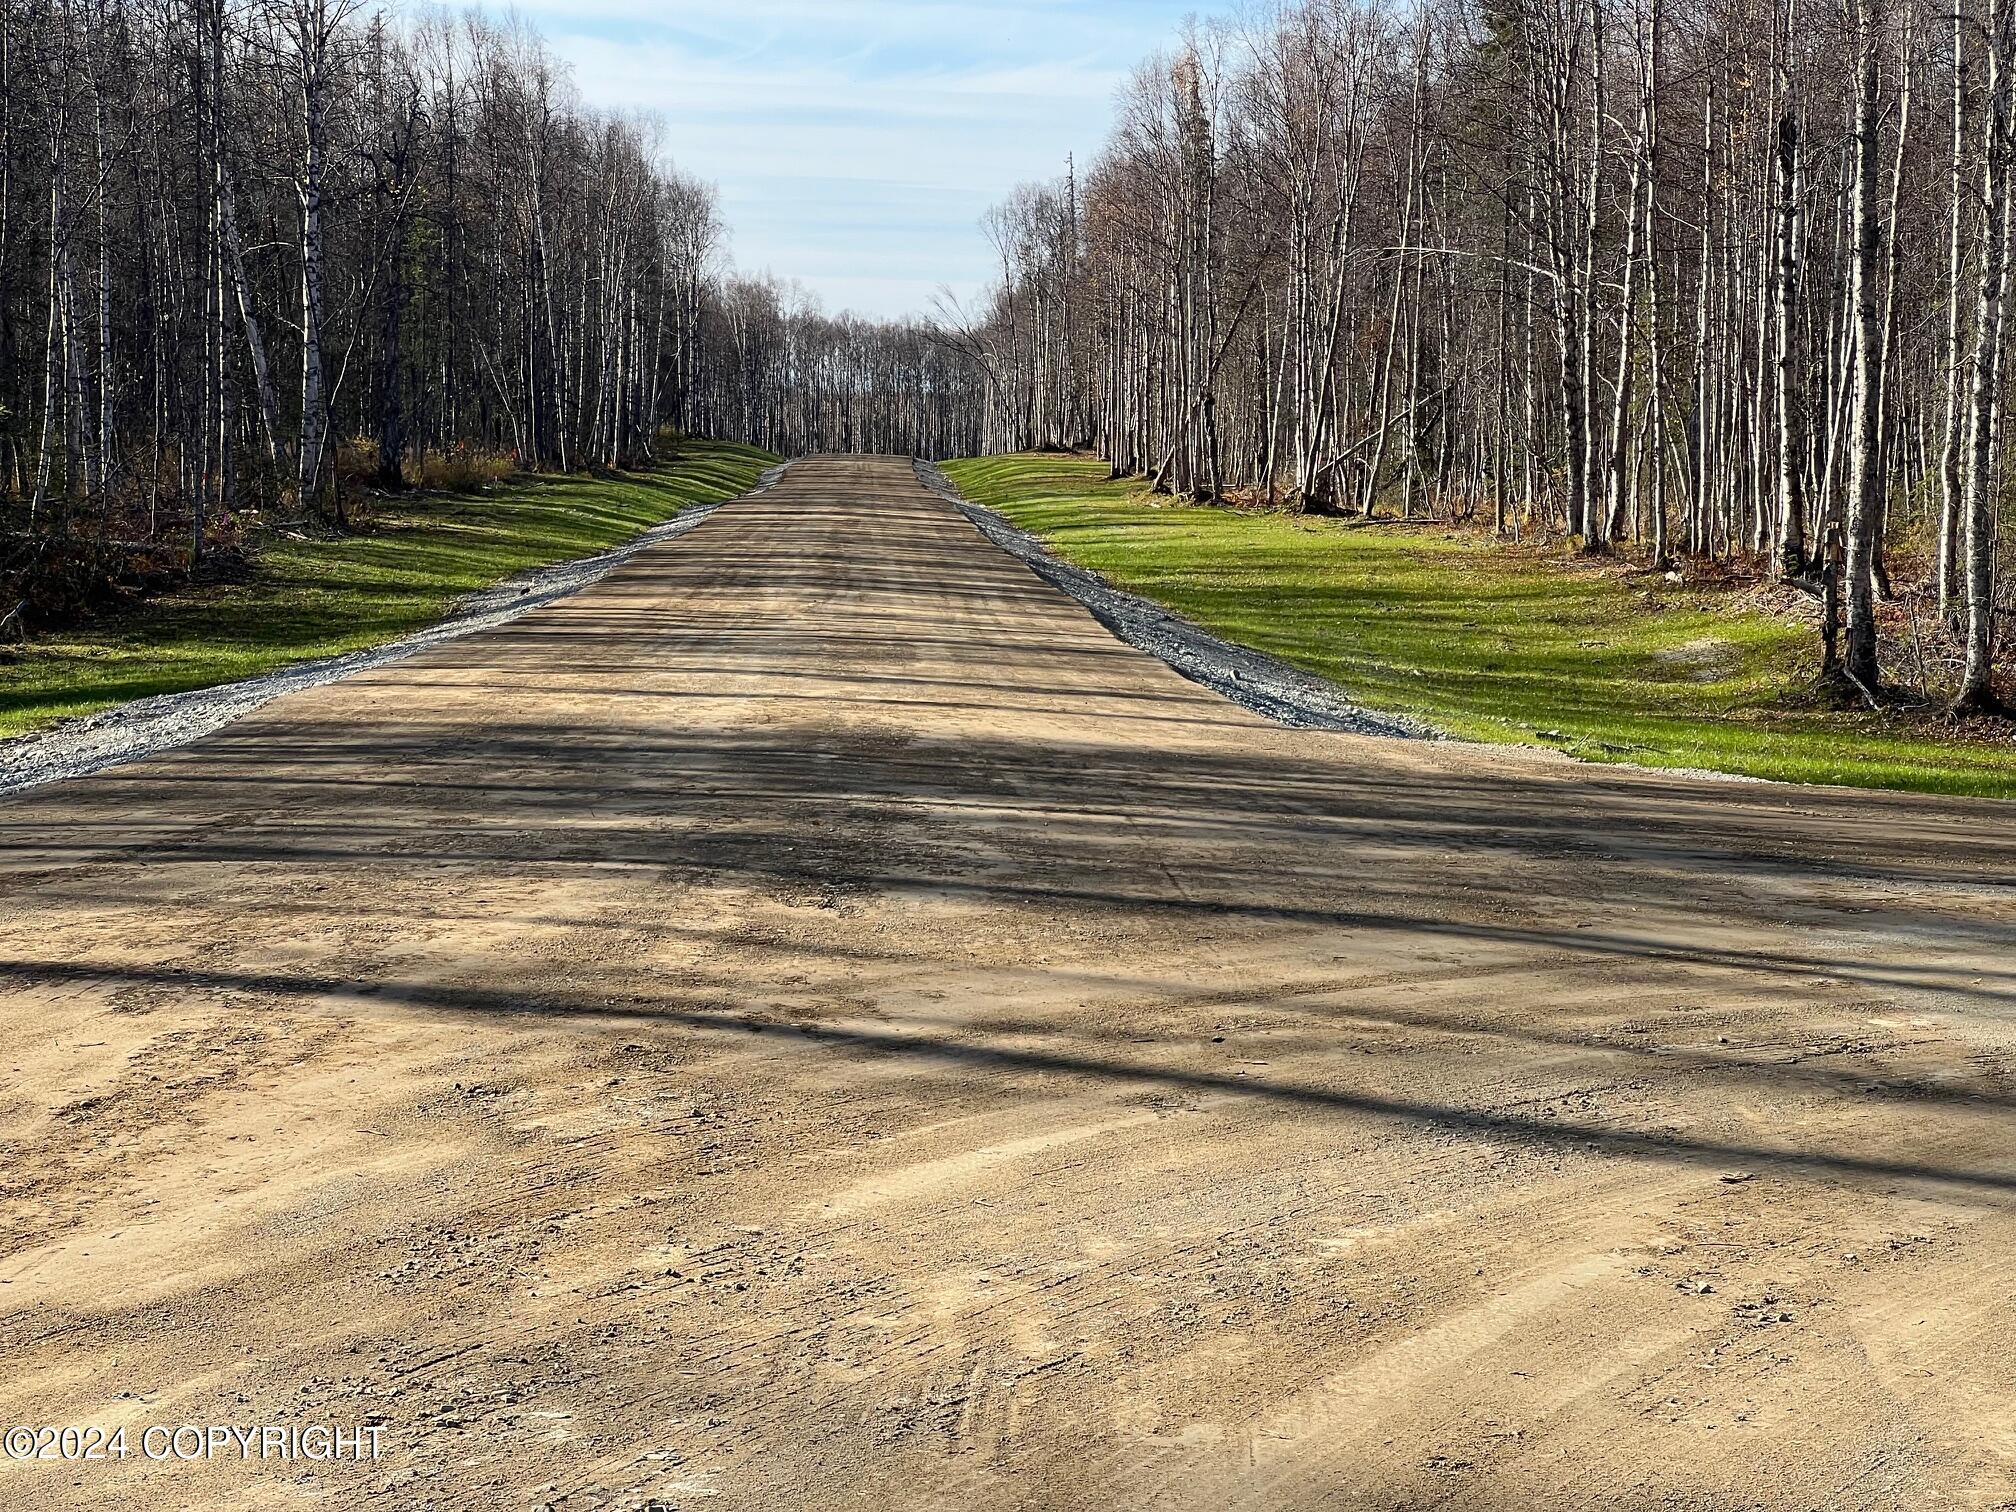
[
  {"x": 1708, "y": 278},
  {"x": 779, "y": 373},
  {"x": 252, "y": 255},
  {"x": 1722, "y": 279}
]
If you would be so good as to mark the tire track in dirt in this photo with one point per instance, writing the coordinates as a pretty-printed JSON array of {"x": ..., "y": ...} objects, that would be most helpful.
[{"x": 813, "y": 1020}]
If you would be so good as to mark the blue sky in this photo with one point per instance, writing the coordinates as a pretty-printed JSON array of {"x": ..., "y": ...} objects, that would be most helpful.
[{"x": 856, "y": 145}]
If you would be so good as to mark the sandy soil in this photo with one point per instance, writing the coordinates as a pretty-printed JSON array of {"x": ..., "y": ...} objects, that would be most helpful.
[{"x": 814, "y": 1021}]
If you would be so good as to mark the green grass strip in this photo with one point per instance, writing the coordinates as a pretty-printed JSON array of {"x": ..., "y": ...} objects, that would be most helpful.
[
  {"x": 323, "y": 596},
  {"x": 1484, "y": 641}
]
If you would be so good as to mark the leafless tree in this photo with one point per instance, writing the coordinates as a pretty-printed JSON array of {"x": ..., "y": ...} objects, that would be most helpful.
[{"x": 1673, "y": 278}]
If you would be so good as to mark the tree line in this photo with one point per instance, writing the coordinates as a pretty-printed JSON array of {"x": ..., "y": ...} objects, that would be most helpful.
[
  {"x": 1710, "y": 278},
  {"x": 252, "y": 248},
  {"x": 783, "y": 375}
]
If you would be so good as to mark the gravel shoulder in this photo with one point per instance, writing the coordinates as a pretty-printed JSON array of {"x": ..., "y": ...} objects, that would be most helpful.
[
  {"x": 1251, "y": 679},
  {"x": 130, "y": 731}
]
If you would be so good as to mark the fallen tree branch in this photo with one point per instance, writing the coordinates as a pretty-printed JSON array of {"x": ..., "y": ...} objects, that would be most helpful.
[
  {"x": 1861, "y": 687},
  {"x": 1366, "y": 440}
]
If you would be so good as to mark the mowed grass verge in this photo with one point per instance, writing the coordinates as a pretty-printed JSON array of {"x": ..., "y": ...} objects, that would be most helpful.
[
  {"x": 325, "y": 595},
  {"x": 1484, "y": 641}
]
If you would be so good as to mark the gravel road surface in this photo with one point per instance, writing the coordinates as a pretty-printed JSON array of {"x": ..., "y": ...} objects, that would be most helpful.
[{"x": 813, "y": 1020}]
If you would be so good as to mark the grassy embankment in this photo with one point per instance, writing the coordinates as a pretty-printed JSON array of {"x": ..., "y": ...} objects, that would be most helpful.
[
  {"x": 322, "y": 596},
  {"x": 1484, "y": 641}
]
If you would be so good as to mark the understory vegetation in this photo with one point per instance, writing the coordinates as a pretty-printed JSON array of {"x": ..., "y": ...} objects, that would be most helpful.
[
  {"x": 1530, "y": 645},
  {"x": 300, "y": 590}
]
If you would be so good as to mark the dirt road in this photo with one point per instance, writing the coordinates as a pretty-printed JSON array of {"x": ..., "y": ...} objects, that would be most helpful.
[{"x": 814, "y": 1021}]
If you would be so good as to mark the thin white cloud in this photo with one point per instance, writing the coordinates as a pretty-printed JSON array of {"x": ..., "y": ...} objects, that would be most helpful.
[
  {"x": 976, "y": 25},
  {"x": 857, "y": 144},
  {"x": 673, "y": 83}
]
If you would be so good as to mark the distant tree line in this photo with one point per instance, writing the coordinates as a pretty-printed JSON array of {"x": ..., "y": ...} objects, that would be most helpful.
[
  {"x": 782, "y": 375},
  {"x": 1718, "y": 278},
  {"x": 247, "y": 245}
]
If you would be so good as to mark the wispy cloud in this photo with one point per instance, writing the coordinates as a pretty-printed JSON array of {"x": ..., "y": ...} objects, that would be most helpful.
[{"x": 857, "y": 144}]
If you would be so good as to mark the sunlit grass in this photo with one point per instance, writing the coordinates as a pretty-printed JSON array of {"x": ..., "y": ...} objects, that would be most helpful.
[
  {"x": 323, "y": 596},
  {"x": 1483, "y": 641}
]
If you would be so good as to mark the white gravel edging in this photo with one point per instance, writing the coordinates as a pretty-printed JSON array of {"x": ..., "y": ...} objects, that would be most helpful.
[
  {"x": 1253, "y": 680},
  {"x": 129, "y": 731}
]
